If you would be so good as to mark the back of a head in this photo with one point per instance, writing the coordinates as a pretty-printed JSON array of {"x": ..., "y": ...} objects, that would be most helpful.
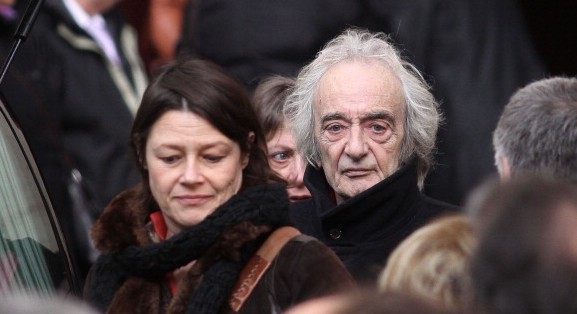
[
  {"x": 537, "y": 131},
  {"x": 523, "y": 263},
  {"x": 392, "y": 303},
  {"x": 369, "y": 301},
  {"x": 32, "y": 304},
  {"x": 433, "y": 262}
]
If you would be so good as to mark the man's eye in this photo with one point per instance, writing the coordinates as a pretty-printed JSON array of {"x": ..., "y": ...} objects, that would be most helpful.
[
  {"x": 378, "y": 128},
  {"x": 335, "y": 128},
  {"x": 380, "y": 132}
]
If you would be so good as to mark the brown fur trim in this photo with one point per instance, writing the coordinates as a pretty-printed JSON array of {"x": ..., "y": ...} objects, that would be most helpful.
[
  {"x": 122, "y": 223},
  {"x": 137, "y": 296}
]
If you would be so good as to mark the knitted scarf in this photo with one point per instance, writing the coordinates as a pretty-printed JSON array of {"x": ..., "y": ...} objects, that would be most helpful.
[{"x": 221, "y": 245}]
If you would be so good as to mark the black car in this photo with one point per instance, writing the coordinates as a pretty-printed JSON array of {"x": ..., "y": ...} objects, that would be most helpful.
[{"x": 34, "y": 256}]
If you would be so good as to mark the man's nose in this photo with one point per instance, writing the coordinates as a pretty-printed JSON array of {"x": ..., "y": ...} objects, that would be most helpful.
[{"x": 356, "y": 147}]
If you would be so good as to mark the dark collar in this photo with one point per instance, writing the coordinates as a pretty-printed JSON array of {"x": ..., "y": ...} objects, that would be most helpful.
[{"x": 382, "y": 209}]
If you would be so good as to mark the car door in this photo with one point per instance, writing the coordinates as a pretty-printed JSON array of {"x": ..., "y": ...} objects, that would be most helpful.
[{"x": 34, "y": 257}]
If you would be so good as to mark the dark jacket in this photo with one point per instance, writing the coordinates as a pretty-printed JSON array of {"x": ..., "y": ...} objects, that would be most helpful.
[
  {"x": 91, "y": 103},
  {"x": 365, "y": 229},
  {"x": 76, "y": 110},
  {"x": 254, "y": 39},
  {"x": 303, "y": 269}
]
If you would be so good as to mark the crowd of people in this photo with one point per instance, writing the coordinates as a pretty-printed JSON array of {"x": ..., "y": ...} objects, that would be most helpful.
[{"x": 240, "y": 174}]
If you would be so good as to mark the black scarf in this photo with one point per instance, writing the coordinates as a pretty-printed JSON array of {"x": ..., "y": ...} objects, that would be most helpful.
[{"x": 264, "y": 205}]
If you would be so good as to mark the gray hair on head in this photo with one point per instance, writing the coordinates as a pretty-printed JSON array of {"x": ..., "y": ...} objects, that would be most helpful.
[
  {"x": 537, "y": 131},
  {"x": 422, "y": 116}
]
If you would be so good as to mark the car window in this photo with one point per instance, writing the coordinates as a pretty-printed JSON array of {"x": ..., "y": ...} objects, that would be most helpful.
[{"x": 32, "y": 258}]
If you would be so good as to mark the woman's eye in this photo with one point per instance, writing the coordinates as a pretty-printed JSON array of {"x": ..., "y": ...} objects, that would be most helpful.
[
  {"x": 280, "y": 156},
  {"x": 169, "y": 159},
  {"x": 213, "y": 159}
]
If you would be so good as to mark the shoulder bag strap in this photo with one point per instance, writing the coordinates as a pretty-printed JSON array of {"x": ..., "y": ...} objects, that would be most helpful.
[{"x": 258, "y": 265}]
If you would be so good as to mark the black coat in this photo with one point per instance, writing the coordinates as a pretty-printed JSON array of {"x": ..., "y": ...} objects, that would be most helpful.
[
  {"x": 86, "y": 108},
  {"x": 365, "y": 229},
  {"x": 76, "y": 109}
]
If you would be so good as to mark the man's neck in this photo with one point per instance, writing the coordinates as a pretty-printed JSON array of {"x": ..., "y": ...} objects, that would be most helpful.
[
  {"x": 94, "y": 7},
  {"x": 87, "y": 6}
]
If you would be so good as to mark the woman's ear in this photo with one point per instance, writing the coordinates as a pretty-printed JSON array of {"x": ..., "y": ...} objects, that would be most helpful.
[
  {"x": 142, "y": 160},
  {"x": 246, "y": 157},
  {"x": 251, "y": 137}
]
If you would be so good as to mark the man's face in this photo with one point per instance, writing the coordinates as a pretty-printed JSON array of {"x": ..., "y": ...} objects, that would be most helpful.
[
  {"x": 93, "y": 7},
  {"x": 7, "y": 2},
  {"x": 359, "y": 114}
]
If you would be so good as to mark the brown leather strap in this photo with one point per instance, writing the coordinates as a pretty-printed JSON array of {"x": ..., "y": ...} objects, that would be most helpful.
[{"x": 258, "y": 264}]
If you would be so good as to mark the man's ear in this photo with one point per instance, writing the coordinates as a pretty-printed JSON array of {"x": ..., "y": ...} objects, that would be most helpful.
[
  {"x": 504, "y": 167},
  {"x": 246, "y": 157}
]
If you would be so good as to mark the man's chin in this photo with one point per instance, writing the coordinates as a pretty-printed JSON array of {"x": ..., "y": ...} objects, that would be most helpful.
[{"x": 352, "y": 191}]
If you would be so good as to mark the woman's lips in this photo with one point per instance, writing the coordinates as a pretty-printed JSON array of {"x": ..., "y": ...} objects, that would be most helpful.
[
  {"x": 193, "y": 200},
  {"x": 294, "y": 198}
]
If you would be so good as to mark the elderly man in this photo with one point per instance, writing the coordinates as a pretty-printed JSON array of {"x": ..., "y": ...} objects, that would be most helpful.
[
  {"x": 366, "y": 122},
  {"x": 537, "y": 131}
]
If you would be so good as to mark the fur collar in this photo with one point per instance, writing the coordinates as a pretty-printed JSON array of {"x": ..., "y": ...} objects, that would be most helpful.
[{"x": 122, "y": 223}]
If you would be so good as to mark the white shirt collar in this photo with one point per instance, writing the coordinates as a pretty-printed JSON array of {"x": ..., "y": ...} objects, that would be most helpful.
[{"x": 80, "y": 16}]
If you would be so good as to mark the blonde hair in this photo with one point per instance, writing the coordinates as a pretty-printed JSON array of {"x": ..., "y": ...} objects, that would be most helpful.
[{"x": 433, "y": 262}]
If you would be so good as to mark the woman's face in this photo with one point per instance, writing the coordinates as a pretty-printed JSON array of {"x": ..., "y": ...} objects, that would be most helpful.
[
  {"x": 287, "y": 163},
  {"x": 193, "y": 168}
]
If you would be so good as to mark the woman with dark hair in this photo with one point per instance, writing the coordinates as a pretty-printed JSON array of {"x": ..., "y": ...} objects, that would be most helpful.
[{"x": 196, "y": 235}]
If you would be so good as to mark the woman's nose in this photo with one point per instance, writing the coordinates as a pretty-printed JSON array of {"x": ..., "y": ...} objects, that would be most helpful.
[
  {"x": 192, "y": 172},
  {"x": 297, "y": 171}
]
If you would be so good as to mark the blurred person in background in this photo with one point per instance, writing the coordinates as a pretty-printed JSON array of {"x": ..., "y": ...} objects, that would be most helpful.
[
  {"x": 371, "y": 302},
  {"x": 80, "y": 66},
  {"x": 159, "y": 24},
  {"x": 537, "y": 131},
  {"x": 433, "y": 263},
  {"x": 526, "y": 257},
  {"x": 21, "y": 303}
]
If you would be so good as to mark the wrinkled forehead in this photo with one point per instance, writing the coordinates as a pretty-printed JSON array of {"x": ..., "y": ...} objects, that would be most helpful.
[{"x": 366, "y": 85}]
